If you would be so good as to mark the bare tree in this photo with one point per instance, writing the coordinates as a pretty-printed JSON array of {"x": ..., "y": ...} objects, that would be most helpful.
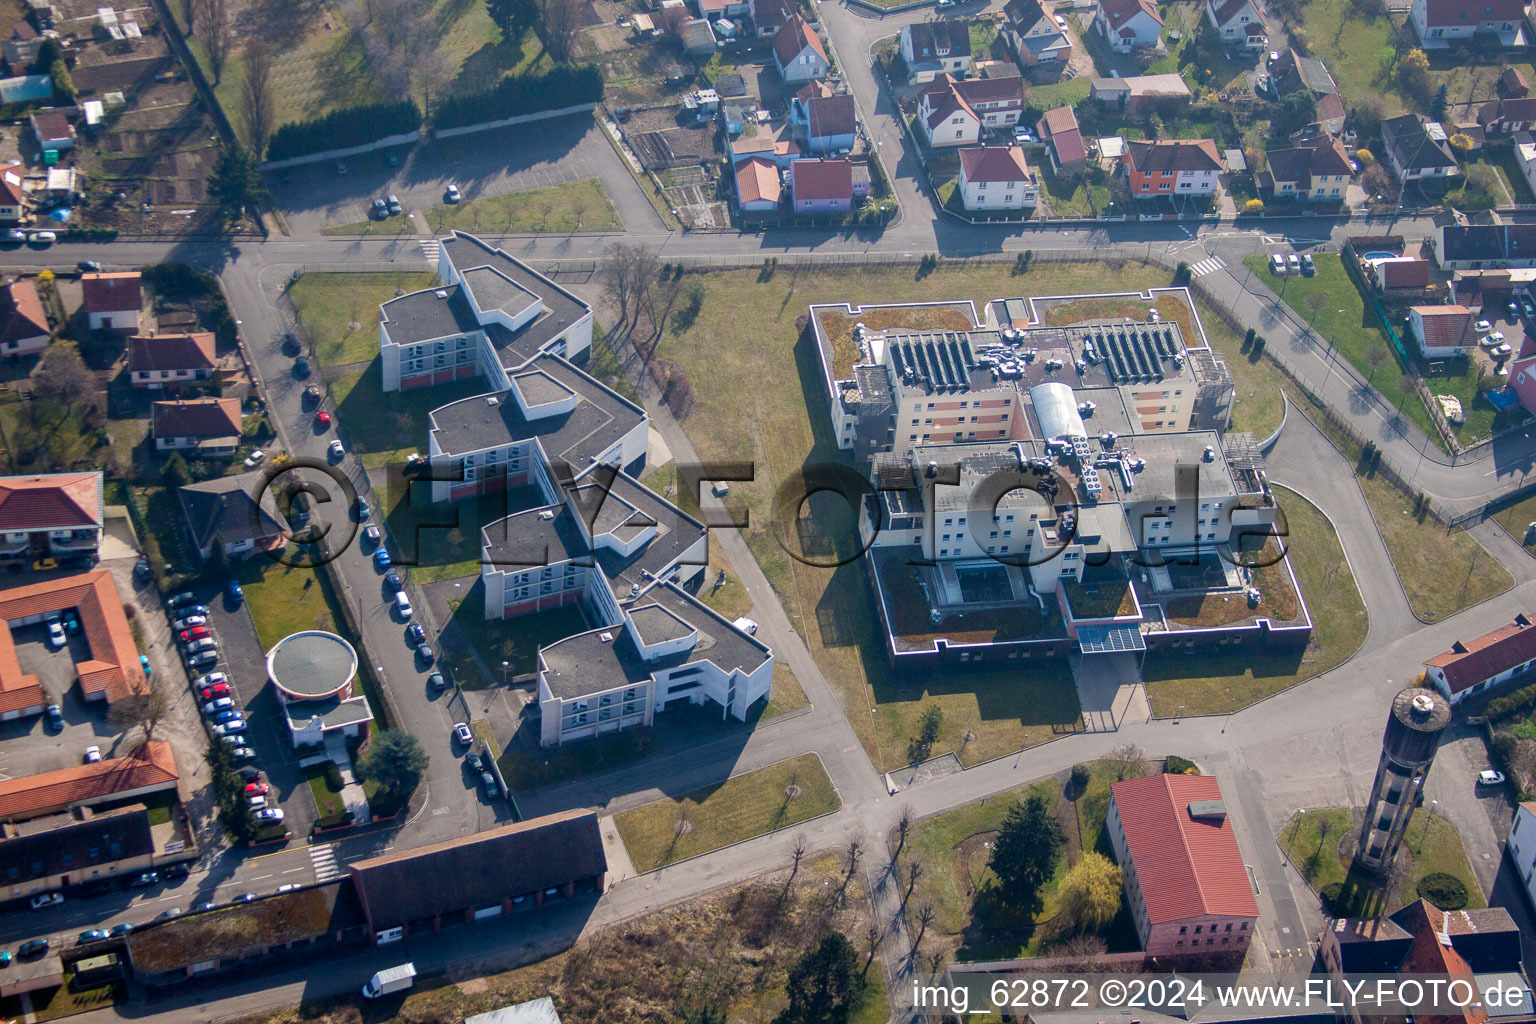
[
  {"x": 855, "y": 851},
  {"x": 936, "y": 959},
  {"x": 914, "y": 872},
  {"x": 628, "y": 275},
  {"x": 925, "y": 916},
  {"x": 1127, "y": 762},
  {"x": 144, "y": 710},
  {"x": 871, "y": 945},
  {"x": 903, "y": 826},
  {"x": 217, "y": 33},
  {"x": 257, "y": 105},
  {"x": 579, "y": 209},
  {"x": 797, "y": 852},
  {"x": 433, "y": 75},
  {"x": 63, "y": 378},
  {"x": 561, "y": 22}
]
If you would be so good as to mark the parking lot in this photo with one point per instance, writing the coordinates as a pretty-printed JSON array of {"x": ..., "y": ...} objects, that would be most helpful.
[{"x": 488, "y": 163}]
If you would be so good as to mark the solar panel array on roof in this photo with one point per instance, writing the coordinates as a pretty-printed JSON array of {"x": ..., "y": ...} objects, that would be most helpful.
[
  {"x": 1135, "y": 352},
  {"x": 943, "y": 362},
  {"x": 1110, "y": 638}
]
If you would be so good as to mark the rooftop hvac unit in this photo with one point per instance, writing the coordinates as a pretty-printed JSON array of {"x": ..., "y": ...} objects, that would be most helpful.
[
  {"x": 1209, "y": 455},
  {"x": 492, "y": 400},
  {"x": 606, "y": 637},
  {"x": 1092, "y": 484},
  {"x": 546, "y": 514}
]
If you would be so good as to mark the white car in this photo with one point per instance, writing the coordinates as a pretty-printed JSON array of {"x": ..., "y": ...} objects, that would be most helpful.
[
  {"x": 189, "y": 622},
  {"x": 1061, "y": 23},
  {"x": 256, "y": 802},
  {"x": 213, "y": 707},
  {"x": 1500, "y": 351},
  {"x": 255, "y": 459},
  {"x": 43, "y": 237},
  {"x": 1489, "y": 777},
  {"x": 92, "y": 754},
  {"x": 746, "y": 625},
  {"x": 452, "y": 194},
  {"x": 1483, "y": 325},
  {"x": 336, "y": 449},
  {"x": 1497, "y": 336},
  {"x": 47, "y": 899},
  {"x": 55, "y": 635},
  {"x": 233, "y": 727},
  {"x": 211, "y": 679}
]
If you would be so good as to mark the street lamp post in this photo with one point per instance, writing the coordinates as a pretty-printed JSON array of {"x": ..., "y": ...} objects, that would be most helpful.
[{"x": 504, "y": 666}]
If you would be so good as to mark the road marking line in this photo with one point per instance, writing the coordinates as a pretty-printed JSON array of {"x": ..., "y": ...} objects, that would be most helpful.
[
  {"x": 291, "y": 871},
  {"x": 260, "y": 877}
]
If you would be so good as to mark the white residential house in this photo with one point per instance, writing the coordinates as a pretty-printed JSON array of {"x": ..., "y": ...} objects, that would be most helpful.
[
  {"x": 1443, "y": 23},
  {"x": 1442, "y": 331},
  {"x": 1239, "y": 22},
  {"x": 996, "y": 178},
  {"x": 1484, "y": 663},
  {"x": 798, "y": 53},
  {"x": 1126, "y": 25},
  {"x": 1521, "y": 845},
  {"x": 934, "y": 48},
  {"x": 945, "y": 119}
]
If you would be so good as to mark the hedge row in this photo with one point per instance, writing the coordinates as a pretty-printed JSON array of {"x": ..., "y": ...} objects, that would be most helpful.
[
  {"x": 341, "y": 129},
  {"x": 516, "y": 95},
  {"x": 1513, "y": 703}
]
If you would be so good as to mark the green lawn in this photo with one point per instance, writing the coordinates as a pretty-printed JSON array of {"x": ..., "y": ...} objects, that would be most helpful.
[
  {"x": 1233, "y": 681},
  {"x": 1514, "y": 518},
  {"x": 516, "y": 641},
  {"x": 388, "y": 226},
  {"x": 1312, "y": 841},
  {"x": 327, "y": 800},
  {"x": 1442, "y": 571},
  {"x": 706, "y": 819},
  {"x": 1067, "y": 197},
  {"x": 1067, "y": 93},
  {"x": 64, "y": 1001},
  {"x": 441, "y": 541},
  {"x": 554, "y": 208},
  {"x": 384, "y": 427},
  {"x": 284, "y": 600},
  {"x": 766, "y": 405},
  {"x": 953, "y": 849},
  {"x": 1358, "y": 49},
  {"x": 339, "y": 313}
]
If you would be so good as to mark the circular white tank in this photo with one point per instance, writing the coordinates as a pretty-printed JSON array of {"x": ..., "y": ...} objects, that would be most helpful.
[{"x": 1057, "y": 411}]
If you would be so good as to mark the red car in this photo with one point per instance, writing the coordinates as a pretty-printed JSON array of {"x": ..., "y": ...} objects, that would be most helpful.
[
  {"x": 215, "y": 691},
  {"x": 195, "y": 633},
  {"x": 323, "y": 418},
  {"x": 256, "y": 789}
]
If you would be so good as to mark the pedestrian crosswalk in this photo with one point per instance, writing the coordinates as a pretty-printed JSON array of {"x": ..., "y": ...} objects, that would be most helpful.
[
  {"x": 430, "y": 247},
  {"x": 324, "y": 860},
  {"x": 1206, "y": 266}
]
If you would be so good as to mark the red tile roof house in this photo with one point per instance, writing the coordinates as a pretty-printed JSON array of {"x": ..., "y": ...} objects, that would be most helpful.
[
  {"x": 1442, "y": 23},
  {"x": 945, "y": 118},
  {"x": 57, "y": 514},
  {"x": 13, "y": 197},
  {"x": 202, "y": 427},
  {"x": 1128, "y": 24},
  {"x": 996, "y": 178},
  {"x": 1442, "y": 331},
  {"x": 24, "y": 329},
  {"x": 112, "y": 301},
  {"x": 1184, "y": 877},
  {"x": 149, "y": 768},
  {"x": 798, "y": 53},
  {"x": 110, "y": 672},
  {"x": 1172, "y": 167},
  {"x": 768, "y": 16},
  {"x": 1477, "y": 666},
  {"x": 1505, "y": 117},
  {"x": 1063, "y": 140},
  {"x": 170, "y": 360},
  {"x": 757, "y": 186},
  {"x": 825, "y": 186}
]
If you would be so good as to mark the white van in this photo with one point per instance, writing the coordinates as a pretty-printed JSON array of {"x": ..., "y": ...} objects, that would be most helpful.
[{"x": 403, "y": 605}]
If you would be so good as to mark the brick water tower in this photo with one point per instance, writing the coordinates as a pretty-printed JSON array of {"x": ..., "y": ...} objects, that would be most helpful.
[{"x": 1408, "y": 747}]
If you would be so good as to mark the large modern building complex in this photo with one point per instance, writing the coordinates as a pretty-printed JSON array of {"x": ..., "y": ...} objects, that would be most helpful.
[
  {"x": 1061, "y": 489},
  {"x": 582, "y": 531}
]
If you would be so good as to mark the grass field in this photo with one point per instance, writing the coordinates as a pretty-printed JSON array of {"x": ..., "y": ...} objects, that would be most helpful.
[
  {"x": 953, "y": 849},
  {"x": 1353, "y": 330},
  {"x": 576, "y": 206},
  {"x": 383, "y": 427},
  {"x": 1442, "y": 571},
  {"x": 339, "y": 313},
  {"x": 1515, "y": 518},
  {"x": 767, "y": 406},
  {"x": 284, "y": 600},
  {"x": 1312, "y": 843},
  {"x": 1233, "y": 681},
  {"x": 766, "y": 800},
  {"x": 1358, "y": 49},
  {"x": 389, "y": 226}
]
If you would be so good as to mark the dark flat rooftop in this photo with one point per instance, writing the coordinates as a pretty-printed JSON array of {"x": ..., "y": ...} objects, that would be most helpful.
[
  {"x": 493, "y": 289},
  {"x": 626, "y": 509},
  {"x": 426, "y": 315},
  {"x": 562, "y": 309},
  {"x": 601, "y": 417},
  {"x": 535, "y": 537}
]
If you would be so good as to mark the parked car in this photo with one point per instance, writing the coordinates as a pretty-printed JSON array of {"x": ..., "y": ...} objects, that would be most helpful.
[
  {"x": 15, "y": 235},
  {"x": 167, "y": 915},
  {"x": 43, "y": 237},
  {"x": 1308, "y": 268},
  {"x": 189, "y": 622},
  {"x": 144, "y": 878},
  {"x": 47, "y": 899},
  {"x": 141, "y": 571},
  {"x": 323, "y": 420},
  {"x": 211, "y": 679},
  {"x": 393, "y": 580},
  {"x": 393, "y": 202},
  {"x": 1528, "y": 307},
  {"x": 415, "y": 633},
  {"x": 119, "y": 930},
  {"x": 89, "y": 266},
  {"x": 363, "y": 511},
  {"x": 234, "y": 591},
  {"x": 462, "y": 734},
  {"x": 193, "y": 609},
  {"x": 380, "y": 210},
  {"x": 56, "y": 637},
  {"x": 256, "y": 458},
  {"x": 242, "y": 754},
  {"x": 1292, "y": 263},
  {"x": 213, "y": 707},
  {"x": 381, "y": 558},
  {"x": 289, "y": 887},
  {"x": 249, "y": 774},
  {"x": 335, "y": 450},
  {"x": 269, "y": 814},
  {"x": 215, "y": 691},
  {"x": 207, "y": 659},
  {"x": 188, "y": 636},
  {"x": 230, "y": 718},
  {"x": 371, "y": 534},
  {"x": 436, "y": 683},
  {"x": 746, "y": 625},
  {"x": 177, "y": 870},
  {"x": 487, "y": 780},
  {"x": 256, "y": 801},
  {"x": 92, "y": 754},
  {"x": 231, "y": 727},
  {"x": 1022, "y": 134},
  {"x": 1277, "y": 264},
  {"x": 207, "y": 643},
  {"x": 54, "y": 716},
  {"x": 235, "y": 739},
  {"x": 425, "y": 653},
  {"x": 403, "y": 605},
  {"x": 1513, "y": 309},
  {"x": 473, "y": 759},
  {"x": 452, "y": 194},
  {"x": 1483, "y": 325},
  {"x": 91, "y": 935},
  {"x": 175, "y": 601},
  {"x": 31, "y": 948},
  {"x": 1489, "y": 777},
  {"x": 256, "y": 789}
]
